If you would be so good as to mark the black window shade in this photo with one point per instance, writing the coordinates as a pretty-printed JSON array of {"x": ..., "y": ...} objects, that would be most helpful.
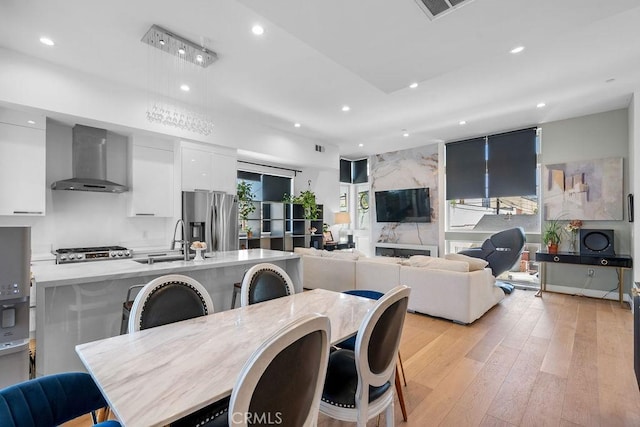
[
  {"x": 501, "y": 165},
  {"x": 511, "y": 163},
  {"x": 360, "y": 171},
  {"x": 466, "y": 168},
  {"x": 345, "y": 171},
  {"x": 275, "y": 187}
]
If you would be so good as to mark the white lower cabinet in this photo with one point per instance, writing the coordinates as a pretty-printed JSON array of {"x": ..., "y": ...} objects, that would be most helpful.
[
  {"x": 22, "y": 170},
  {"x": 151, "y": 182}
]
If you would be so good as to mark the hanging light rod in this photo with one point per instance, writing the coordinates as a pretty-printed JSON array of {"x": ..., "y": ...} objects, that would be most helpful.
[
  {"x": 269, "y": 166},
  {"x": 176, "y": 45}
]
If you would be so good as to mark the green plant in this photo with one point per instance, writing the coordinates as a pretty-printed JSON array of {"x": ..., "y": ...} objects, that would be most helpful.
[
  {"x": 307, "y": 199},
  {"x": 245, "y": 202},
  {"x": 552, "y": 233}
]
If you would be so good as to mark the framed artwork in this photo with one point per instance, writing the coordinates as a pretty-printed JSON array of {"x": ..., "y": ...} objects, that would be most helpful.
[
  {"x": 343, "y": 202},
  {"x": 585, "y": 190},
  {"x": 327, "y": 237}
]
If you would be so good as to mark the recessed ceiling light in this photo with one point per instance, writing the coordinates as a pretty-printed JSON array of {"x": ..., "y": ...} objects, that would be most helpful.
[
  {"x": 405, "y": 133},
  {"x": 361, "y": 145},
  {"x": 346, "y": 108},
  {"x": 296, "y": 125},
  {"x": 182, "y": 51},
  {"x": 462, "y": 122},
  {"x": 199, "y": 58},
  {"x": 162, "y": 42},
  {"x": 31, "y": 122},
  {"x": 185, "y": 88},
  {"x": 413, "y": 85},
  {"x": 47, "y": 41},
  {"x": 517, "y": 49},
  {"x": 258, "y": 30},
  {"x": 541, "y": 105}
]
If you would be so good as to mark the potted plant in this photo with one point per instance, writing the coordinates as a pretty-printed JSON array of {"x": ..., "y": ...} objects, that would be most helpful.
[
  {"x": 551, "y": 235},
  {"x": 245, "y": 203},
  {"x": 307, "y": 199}
]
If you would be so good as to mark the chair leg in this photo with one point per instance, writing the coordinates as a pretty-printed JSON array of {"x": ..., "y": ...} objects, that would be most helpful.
[
  {"x": 404, "y": 378},
  {"x": 403, "y": 408},
  {"x": 389, "y": 415}
]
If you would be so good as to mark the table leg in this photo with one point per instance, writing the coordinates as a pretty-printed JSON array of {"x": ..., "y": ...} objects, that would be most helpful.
[
  {"x": 620, "y": 284},
  {"x": 543, "y": 278},
  {"x": 400, "y": 395}
]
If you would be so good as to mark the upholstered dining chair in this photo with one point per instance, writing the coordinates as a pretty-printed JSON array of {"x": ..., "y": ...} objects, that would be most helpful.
[
  {"x": 350, "y": 344},
  {"x": 281, "y": 382},
  {"x": 51, "y": 400},
  {"x": 359, "y": 383},
  {"x": 264, "y": 282},
  {"x": 169, "y": 299}
]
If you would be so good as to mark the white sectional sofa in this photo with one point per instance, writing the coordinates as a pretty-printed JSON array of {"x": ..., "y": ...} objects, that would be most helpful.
[{"x": 439, "y": 287}]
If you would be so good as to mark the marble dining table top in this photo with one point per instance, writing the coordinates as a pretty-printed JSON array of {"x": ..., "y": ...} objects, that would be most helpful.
[{"x": 156, "y": 376}]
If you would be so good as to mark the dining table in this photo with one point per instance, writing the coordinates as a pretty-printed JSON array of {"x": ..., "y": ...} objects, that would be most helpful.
[{"x": 159, "y": 375}]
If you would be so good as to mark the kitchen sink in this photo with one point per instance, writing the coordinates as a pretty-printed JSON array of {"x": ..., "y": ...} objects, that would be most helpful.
[{"x": 162, "y": 258}]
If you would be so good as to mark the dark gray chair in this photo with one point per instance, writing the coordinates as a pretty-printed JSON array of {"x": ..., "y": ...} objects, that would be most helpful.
[
  {"x": 264, "y": 282},
  {"x": 169, "y": 299},
  {"x": 359, "y": 384},
  {"x": 280, "y": 384},
  {"x": 502, "y": 250}
]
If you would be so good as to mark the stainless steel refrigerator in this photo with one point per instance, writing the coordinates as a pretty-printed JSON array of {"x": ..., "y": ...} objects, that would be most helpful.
[
  {"x": 211, "y": 217},
  {"x": 15, "y": 281}
]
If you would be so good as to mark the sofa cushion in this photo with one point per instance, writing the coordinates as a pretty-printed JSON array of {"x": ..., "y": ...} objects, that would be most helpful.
[
  {"x": 385, "y": 260},
  {"x": 339, "y": 255},
  {"x": 306, "y": 251},
  {"x": 474, "y": 263},
  {"x": 424, "y": 261}
]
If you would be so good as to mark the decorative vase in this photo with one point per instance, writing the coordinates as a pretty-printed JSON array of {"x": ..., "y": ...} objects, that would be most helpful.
[
  {"x": 249, "y": 234},
  {"x": 573, "y": 244},
  {"x": 198, "y": 255},
  {"x": 552, "y": 248}
]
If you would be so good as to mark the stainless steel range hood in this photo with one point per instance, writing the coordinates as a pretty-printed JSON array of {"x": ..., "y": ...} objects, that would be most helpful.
[{"x": 89, "y": 163}]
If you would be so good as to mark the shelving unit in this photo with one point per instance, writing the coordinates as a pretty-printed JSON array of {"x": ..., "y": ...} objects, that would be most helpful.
[{"x": 281, "y": 226}]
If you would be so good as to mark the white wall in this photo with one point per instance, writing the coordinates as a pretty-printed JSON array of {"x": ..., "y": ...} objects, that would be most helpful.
[{"x": 634, "y": 177}]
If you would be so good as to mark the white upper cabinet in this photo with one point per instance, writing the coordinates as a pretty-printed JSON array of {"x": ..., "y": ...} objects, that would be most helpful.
[
  {"x": 197, "y": 168},
  {"x": 22, "y": 164},
  {"x": 208, "y": 168},
  {"x": 152, "y": 187}
]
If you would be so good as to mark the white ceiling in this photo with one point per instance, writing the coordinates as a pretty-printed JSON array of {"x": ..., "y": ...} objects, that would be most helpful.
[{"x": 317, "y": 55}]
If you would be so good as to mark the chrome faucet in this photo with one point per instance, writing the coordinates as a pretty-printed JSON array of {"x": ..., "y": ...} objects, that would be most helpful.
[{"x": 184, "y": 241}]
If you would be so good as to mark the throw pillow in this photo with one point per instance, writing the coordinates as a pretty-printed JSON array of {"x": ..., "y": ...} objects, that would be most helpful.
[
  {"x": 474, "y": 263},
  {"x": 438, "y": 263},
  {"x": 350, "y": 256}
]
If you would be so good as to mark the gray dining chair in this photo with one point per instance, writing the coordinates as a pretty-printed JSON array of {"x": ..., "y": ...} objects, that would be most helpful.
[
  {"x": 281, "y": 382},
  {"x": 169, "y": 299},
  {"x": 359, "y": 383},
  {"x": 264, "y": 282}
]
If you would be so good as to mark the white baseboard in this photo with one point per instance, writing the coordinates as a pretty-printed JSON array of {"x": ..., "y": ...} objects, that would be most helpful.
[{"x": 592, "y": 293}]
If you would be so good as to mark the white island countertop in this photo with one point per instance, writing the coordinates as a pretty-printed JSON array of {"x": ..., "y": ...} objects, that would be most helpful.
[{"x": 87, "y": 272}]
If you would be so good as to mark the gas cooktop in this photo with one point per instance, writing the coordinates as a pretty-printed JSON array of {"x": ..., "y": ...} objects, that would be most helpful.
[{"x": 97, "y": 253}]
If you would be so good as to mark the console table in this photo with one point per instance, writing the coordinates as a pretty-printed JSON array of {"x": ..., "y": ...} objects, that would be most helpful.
[{"x": 621, "y": 262}]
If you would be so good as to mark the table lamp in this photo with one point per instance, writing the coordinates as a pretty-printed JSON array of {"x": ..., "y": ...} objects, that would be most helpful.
[{"x": 342, "y": 218}]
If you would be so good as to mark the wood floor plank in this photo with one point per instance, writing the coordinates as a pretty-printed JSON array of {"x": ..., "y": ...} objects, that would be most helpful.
[
  {"x": 471, "y": 408},
  {"x": 511, "y": 401},
  {"x": 444, "y": 397},
  {"x": 558, "y": 357},
  {"x": 545, "y": 404},
  {"x": 581, "y": 403}
]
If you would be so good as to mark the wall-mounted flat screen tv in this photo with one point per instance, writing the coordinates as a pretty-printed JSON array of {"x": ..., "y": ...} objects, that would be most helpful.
[{"x": 409, "y": 205}]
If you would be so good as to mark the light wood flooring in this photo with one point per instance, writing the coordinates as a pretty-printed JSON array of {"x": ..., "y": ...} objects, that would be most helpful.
[{"x": 558, "y": 360}]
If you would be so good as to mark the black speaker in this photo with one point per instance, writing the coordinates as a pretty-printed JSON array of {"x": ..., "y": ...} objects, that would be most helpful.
[{"x": 596, "y": 242}]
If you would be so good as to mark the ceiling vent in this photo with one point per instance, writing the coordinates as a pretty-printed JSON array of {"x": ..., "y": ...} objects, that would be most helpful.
[
  {"x": 436, "y": 8},
  {"x": 319, "y": 148}
]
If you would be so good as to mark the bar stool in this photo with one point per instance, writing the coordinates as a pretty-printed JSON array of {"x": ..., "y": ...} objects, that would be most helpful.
[
  {"x": 237, "y": 287},
  {"x": 126, "y": 308}
]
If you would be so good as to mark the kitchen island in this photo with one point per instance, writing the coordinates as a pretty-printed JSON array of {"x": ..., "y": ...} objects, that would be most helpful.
[{"x": 82, "y": 302}]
